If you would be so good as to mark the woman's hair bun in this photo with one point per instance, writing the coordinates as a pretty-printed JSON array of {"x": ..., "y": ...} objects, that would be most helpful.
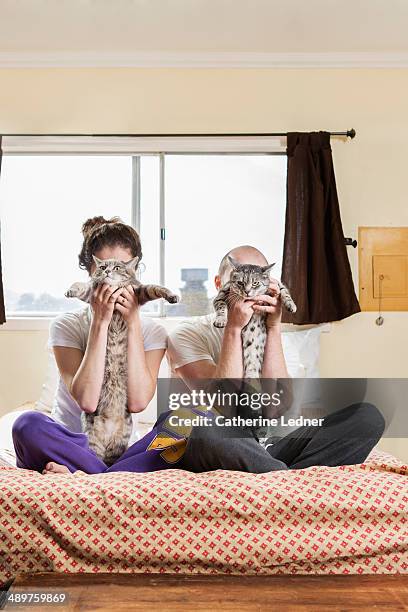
[
  {"x": 94, "y": 222},
  {"x": 99, "y": 232}
]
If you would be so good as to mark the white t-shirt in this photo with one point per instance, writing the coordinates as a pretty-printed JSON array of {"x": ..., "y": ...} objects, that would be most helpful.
[
  {"x": 72, "y": 330},
  {"x": 197, "y": 339}
]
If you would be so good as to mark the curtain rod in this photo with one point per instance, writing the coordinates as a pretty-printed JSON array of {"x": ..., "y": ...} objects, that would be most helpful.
[{"x": 349, "y": 134}]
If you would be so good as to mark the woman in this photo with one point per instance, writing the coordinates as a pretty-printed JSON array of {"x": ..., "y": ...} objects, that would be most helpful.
[{"x": 79, "y": 343}]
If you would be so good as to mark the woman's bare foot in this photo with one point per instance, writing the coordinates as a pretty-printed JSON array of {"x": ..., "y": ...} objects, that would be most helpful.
[{"x": 55, "y": 468}]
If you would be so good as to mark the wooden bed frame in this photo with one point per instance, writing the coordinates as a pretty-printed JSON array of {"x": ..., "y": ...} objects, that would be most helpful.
[{"x": 182, "y": 593}]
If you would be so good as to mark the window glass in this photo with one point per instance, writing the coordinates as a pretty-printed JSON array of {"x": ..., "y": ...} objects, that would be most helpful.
[
  {"x": 44, "y": 200},
  {"x": 213, "y": 204}
]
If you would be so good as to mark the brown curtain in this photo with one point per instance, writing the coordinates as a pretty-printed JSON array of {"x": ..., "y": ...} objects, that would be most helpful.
[
  {"x": 315, "y": 268},
  {"x": 2, "y": 309}
]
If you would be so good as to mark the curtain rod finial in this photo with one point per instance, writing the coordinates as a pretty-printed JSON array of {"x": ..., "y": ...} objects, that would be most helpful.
[{"x": 351, "y": 133}]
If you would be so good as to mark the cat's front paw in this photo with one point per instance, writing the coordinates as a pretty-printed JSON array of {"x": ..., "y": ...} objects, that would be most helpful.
[
  {"x": 172, "y": 298},
  {"x": 292, "y": 307},
  {"x": 73, "y": 291},
  {"x": 220, "y": 322}
]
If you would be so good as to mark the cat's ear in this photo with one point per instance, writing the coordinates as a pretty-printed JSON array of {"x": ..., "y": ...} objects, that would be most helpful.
[
  {"x": 267, "y": 268},
  {"x": 233, "y": 262},
  {"x": 96, "y": 260},
  {"x": 132, "y": 264}
]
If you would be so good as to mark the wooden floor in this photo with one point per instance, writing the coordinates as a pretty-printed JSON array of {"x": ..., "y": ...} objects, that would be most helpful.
[{"x": 171, "y": 592}]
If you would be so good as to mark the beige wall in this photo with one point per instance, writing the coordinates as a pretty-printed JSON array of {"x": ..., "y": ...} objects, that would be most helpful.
[
  {"x": 23, "y": 358},
  {"x": 371, "y": 170}
]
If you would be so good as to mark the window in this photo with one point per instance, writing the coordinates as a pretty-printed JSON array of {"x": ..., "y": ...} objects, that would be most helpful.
[
  {"x": 190, "y": 210},
  {"x": 213, "y": 204},
  {"x": 44, "y": 201}
]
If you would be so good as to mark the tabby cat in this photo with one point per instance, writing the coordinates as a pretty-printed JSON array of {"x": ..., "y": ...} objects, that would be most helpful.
[
  {"x": 246, "y": 281},
  {"x": 110, "y": 426}
]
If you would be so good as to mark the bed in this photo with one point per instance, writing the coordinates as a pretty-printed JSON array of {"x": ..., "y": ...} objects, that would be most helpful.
[{"x": 320, "y": 520}]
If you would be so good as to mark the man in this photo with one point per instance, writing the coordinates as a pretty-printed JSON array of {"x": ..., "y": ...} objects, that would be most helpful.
[{"x": 198, "y": 350}]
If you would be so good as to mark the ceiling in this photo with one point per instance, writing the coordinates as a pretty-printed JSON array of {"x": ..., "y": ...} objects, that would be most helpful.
[{"x": 203, "y": 28}]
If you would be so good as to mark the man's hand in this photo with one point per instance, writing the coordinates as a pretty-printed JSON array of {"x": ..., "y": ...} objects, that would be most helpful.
[
  {"x": 271, "y": 305},
  {"x": 240, "y": 313},
  {"x": 128, "y": 305}
]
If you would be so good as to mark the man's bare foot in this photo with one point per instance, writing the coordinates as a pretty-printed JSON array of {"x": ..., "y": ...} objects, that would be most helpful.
[{"x": 55, "y": 468}]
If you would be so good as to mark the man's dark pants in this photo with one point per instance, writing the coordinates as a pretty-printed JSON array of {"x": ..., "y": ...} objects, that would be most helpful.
[{"x": 345, "y": 438}]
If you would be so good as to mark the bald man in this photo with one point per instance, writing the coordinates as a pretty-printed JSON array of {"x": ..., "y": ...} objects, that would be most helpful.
[{"x": 198, "y": 350}]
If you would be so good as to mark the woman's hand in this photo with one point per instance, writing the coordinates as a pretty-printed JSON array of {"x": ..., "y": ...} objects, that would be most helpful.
[
  {"x": 271, "y": 305},
  {"x": 103, "y": 302},
  {"x": 128, "y": 305}
]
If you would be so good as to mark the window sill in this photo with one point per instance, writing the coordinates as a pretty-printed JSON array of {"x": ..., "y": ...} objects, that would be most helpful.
[
  {"x": 26, "y": 324},
  {"x": 43, "y": 323}
]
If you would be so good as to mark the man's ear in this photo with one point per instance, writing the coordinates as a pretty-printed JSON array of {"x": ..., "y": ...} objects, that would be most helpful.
[
  {"x": 233, "y": 262},
  {"x": 267, "y": 268},
  {"x": 132, "y": 264},
  {"x": 96, "y": 260},
  {"x": 217, "y": 282}
]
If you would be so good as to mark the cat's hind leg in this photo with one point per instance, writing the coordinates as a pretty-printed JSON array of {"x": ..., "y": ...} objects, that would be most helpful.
[
  {"x": 287, "y": 299},
  {"x": 94, "y": 427}
]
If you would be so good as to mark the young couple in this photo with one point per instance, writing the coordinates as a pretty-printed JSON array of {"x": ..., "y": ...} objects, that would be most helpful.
[{"x": 196, "y": 350}]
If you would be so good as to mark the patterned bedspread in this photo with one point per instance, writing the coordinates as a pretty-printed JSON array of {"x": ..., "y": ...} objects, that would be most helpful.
[{"x": 345, "y": 520}]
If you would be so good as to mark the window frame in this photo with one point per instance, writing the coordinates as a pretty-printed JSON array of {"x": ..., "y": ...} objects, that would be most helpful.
[{"x": 135, "y": 147}]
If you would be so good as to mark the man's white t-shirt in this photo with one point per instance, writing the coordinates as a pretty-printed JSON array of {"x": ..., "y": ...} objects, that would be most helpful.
[
  {"x": 197, "y": 339},
  {"x": 72, "y": 330}
]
